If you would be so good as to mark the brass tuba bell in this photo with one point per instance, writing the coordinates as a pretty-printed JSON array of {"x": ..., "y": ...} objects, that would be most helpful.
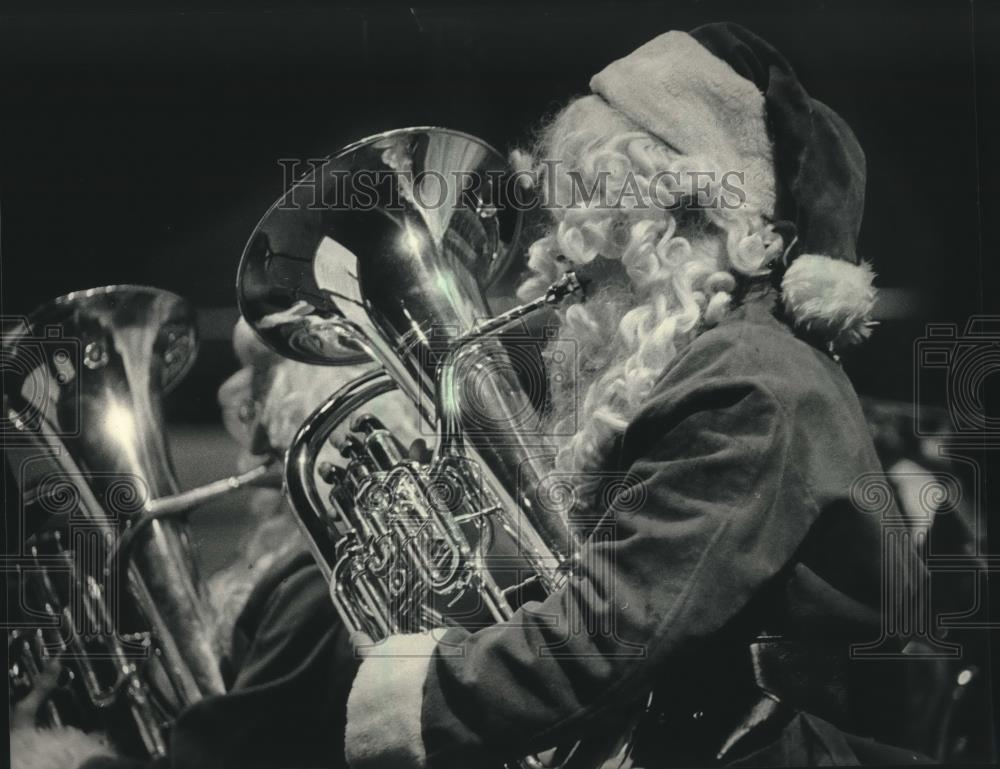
[
  {"x": 388, "y": 250},
  {"x": 110, "y": 594}
]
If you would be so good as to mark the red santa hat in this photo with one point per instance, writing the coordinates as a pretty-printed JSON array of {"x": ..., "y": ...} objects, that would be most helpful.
[{"x": 721, "y": 91}]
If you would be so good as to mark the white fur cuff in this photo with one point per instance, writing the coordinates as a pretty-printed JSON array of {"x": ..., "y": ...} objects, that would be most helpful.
[
  {"x": 61, "y": 747},
  {"x": 385, "y": 704},
  {"x": 830, "y": 298}
]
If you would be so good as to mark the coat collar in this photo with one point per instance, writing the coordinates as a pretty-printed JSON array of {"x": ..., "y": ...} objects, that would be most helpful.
[{"x": 760, "y": 303}]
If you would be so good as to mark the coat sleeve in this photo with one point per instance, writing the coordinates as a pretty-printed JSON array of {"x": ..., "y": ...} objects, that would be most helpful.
[{"x": 713, "y": 509}]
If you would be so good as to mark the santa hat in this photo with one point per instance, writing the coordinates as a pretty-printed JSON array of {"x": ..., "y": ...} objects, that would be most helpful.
[{"x": 722, "y": 92}]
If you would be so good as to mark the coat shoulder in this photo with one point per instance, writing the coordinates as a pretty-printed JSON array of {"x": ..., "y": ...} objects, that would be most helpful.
[
  {"x": 754, "y": 365},
  {"x": 765, "y": 355}
]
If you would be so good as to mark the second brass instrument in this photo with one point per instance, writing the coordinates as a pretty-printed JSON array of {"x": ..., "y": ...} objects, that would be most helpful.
[{"x": 112, "y": 604}]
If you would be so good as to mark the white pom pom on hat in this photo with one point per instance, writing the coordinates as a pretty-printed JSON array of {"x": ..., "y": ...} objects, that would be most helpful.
[{"x": 830, "y": 298}]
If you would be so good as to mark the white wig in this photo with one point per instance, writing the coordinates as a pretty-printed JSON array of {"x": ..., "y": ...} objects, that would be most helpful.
[{"x": 667, "y": 271}]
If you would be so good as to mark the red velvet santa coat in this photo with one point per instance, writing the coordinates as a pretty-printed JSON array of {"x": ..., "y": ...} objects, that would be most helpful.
[{"x": 743, "y": 461}]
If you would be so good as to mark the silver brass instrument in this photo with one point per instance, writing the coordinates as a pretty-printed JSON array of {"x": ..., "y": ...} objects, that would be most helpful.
[
  {"x": 408, "y": 544},
  {"x": 111, "y": 598}
]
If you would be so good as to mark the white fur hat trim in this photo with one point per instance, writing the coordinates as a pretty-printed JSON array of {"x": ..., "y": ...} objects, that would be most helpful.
[{"x": 830, "y": 298}]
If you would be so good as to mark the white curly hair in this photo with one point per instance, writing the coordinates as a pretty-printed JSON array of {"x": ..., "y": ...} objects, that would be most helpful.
[{"x": 666, "y": 272}]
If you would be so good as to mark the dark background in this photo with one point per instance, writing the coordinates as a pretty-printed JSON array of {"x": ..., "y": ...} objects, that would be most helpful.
[{"x": 142, "y": 146}]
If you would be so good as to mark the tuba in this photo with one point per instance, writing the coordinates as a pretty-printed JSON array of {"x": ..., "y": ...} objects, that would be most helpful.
[
  {"x": 387, "y": 251},
  {"x": 111, "y": 603}
]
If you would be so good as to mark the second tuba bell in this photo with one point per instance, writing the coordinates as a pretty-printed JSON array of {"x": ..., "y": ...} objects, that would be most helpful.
[{"x": 111, "y": 600}]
